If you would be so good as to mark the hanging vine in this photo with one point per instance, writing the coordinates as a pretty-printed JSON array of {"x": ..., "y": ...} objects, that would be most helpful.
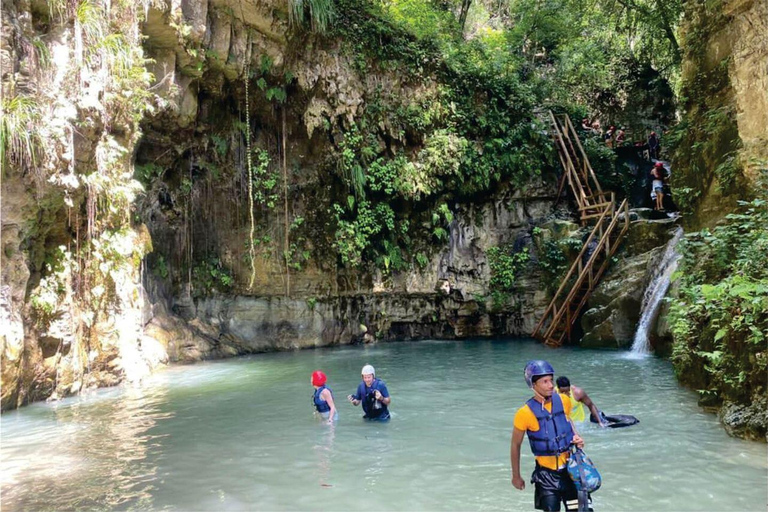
[{"x": 249, "y": 163}]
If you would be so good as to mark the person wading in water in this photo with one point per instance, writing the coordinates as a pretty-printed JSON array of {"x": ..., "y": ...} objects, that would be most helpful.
[
  {"x": 373, "y": 394},
  {"x": 578, "y": 397},
  {"x": 323, "y": 397},
  {"x": 545, "y": 418}
]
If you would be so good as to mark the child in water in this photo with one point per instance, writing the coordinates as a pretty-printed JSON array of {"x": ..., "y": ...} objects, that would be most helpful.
[{"x": 323, "y": 397}]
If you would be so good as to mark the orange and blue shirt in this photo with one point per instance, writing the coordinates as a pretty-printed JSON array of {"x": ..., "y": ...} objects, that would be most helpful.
[{"x": 525, "y": 420}]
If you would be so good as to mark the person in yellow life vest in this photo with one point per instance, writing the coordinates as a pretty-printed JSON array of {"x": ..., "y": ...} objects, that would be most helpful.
[
  {"x": 545, "y": 419},
  {"x": 578, "y": 397}
]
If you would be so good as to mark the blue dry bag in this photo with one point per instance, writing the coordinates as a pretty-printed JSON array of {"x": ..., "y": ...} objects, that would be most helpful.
[{"x": 583, "y": 472}]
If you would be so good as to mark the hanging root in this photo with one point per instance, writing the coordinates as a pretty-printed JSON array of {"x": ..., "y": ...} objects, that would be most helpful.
[{"x": 251, "y": 247}]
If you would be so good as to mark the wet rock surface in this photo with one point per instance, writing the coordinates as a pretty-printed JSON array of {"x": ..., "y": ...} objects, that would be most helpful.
[
  {"x": 614, "y": 309},
  {"x": 746, "y": 421}
]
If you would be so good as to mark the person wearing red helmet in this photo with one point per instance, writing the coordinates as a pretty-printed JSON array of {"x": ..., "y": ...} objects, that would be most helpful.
[
  {"x": 545, "y": 419},
  {"x": 658, "y": 175},
  {"x": 323, "y": 397}
]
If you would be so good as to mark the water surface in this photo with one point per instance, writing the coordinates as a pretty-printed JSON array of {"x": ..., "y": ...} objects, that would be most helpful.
[{"x": 240, "y": 435}]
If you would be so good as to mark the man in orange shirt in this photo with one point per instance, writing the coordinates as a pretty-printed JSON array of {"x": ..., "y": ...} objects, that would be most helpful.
[{"x": 545, "y": 418}]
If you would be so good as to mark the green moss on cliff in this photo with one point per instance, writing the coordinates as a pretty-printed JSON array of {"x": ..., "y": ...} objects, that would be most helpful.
[
  {"x": 706, "y": 143},
  {"x": 468, "y": 127}
]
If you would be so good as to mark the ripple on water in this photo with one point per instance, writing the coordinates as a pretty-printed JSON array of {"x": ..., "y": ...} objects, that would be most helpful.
[{"x": 240, "y": 435}]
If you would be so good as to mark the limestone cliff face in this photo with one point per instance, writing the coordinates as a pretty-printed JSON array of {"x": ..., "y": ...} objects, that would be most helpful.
[
  {"x": 747, "y": 36},
  {"x": 722, "y": 157},
  {"x": 723, "y": 148},
  {"x": 69, "y": 297},
  {"x": 98, "y": 289},
  {"x": 317, "y": 302},
  {"x": 81, "y": 303}
]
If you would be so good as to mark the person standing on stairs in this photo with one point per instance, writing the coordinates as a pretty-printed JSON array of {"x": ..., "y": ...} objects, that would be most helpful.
[
  {"x": 653, "y": 146},
  {"x": 658, "y": 176},
  {"x": 620, "y": 136},
  {"x": 608, "y": 136}
]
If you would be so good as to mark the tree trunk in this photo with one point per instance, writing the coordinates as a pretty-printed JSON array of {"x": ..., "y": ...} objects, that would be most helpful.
[{"x": 463, "y": 15}]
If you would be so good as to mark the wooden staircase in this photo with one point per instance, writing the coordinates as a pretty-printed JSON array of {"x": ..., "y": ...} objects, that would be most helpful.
[
  {"x": 610, "y": 227},
  {"x": 578, "y": 173}
]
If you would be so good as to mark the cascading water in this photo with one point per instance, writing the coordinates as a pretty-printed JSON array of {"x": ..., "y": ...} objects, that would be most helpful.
[{"x": 654, "y": 294}]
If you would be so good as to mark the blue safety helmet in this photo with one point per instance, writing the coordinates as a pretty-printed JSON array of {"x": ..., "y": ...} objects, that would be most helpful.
[{"x": 536, "y": 368}]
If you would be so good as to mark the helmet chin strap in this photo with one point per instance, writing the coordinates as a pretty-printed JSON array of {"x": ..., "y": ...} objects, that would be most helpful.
[{"x": 539, "y": 396}]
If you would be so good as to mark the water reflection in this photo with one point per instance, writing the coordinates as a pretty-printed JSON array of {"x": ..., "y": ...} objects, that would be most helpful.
[
  {"x": 86, "y": 454},
  {"x": 324, "y": 452}
]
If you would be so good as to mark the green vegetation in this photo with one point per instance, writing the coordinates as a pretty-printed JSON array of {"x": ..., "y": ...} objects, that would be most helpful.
[
  {"x": 47, "y": 296},
  {"x": 720, "y": 320},
  {"x": 160, "y": 267},
  {"x": 458, "y": 121},
  {"x": 297, "y": 254},
  {"x": 477, "y": 73},
  {"x": 318, "y": 14},
  {"x": 19, "y": 131},
  {"x": 460, "y": 137},
  {"x": 93, "y": 188},
  {"x": 505, "y": 264},
  {"x": 211, "y": 276},
  {"x": 147, "y": 173},
  {"x": 555, "y": 252}
]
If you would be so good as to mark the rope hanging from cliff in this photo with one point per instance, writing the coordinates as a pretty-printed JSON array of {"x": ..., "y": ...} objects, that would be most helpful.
[{"x": 251, "y": 247}]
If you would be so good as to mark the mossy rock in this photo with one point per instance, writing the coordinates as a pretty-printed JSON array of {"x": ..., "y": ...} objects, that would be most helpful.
[{"x": 747, "y": 421}]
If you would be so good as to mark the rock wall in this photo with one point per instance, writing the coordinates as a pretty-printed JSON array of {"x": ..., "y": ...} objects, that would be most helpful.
[
  {"x": 722, "y": 153},
  {"x": 80, "y": 304},
  {"x": 614, "y": 309},
  {"x": 722, "y": 150},
  {"x": 268, "y": 306},
  {"x": 747, "y": 40},
  {"x": 446, "y": 299},
  {"x": 106, "y": 278},
  {"x": 70, "y": 296}
]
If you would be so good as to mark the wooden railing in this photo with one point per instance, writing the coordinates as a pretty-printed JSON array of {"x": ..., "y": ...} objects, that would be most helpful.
[
  {"x": 592, "y": 202},
  {"x": 563, "y": 311}
]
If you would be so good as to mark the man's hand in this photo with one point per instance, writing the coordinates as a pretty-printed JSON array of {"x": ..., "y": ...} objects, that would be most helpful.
[
  {"x": 578, "y": 441},
  {"x": 377, "y": 394},
  {"x": 518, "y": 482}
]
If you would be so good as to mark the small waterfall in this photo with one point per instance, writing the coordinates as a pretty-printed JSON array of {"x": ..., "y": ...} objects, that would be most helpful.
[{"x": 654, "y": 294}]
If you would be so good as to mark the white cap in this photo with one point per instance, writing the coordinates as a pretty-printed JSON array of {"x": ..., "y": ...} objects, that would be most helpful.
[{"x": 368, "y": 370}]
